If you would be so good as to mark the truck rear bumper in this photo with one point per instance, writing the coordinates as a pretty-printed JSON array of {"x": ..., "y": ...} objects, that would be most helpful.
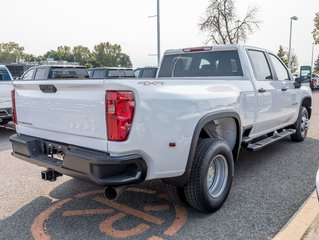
[{"x": 79, "y": 162}]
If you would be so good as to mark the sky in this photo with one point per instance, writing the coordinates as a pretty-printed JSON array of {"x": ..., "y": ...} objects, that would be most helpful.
[{"x": 42, "y": 25}]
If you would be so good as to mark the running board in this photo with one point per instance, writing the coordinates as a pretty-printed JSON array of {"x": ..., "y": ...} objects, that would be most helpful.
[{"x": 269, "y": 140}]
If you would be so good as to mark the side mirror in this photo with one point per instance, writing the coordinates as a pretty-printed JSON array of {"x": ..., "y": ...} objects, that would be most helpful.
[
  {"x": 17, "y": 78},
  {"x": 298, "y": 82}
]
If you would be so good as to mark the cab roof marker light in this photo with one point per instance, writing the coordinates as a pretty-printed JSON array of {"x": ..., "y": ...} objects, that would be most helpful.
[{"x": 197, "y": 49}]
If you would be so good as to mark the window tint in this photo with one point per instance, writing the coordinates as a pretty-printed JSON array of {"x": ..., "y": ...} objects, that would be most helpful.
[
  {"x": 149, "y": 73},
  {"x": 63, "y": 73},
  {"x": 281, "y": 71},
  {"x": 4, "y": 75},
  {"x": 260, "y": 65},
  {"x": 129, "y": 73},
  {"x": 41, "y": 73},
  {"x": 217, "y": 63},
  {"x": 115, "y": 73},
  {"x": 99, "y": 73},
  {"x": 28, "y": 75}
]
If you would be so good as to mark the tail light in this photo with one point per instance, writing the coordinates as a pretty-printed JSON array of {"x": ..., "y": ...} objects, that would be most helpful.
[
  {"x": 14, "y": 112},
  {"x": 120, "y": 106}
]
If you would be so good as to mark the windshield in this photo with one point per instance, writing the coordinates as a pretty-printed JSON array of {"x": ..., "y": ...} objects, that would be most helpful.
[{"x": 197, "y": 64}]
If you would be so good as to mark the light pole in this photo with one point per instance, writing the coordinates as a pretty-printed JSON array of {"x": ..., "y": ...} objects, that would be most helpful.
[
  {"x": 158, "y": 33},
  {"x": 289, "y": 53}
]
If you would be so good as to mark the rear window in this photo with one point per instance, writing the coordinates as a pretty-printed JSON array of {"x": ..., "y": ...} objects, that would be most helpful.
[
  {"x": 217, "y": 63},
  {"x": 4, "y": 75},
  {"x": 120, "y": 73},
  {"x": 63, "y": 73}
]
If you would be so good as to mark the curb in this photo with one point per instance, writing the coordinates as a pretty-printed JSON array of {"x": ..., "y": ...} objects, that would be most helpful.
[{"x": 303, "y": 222}]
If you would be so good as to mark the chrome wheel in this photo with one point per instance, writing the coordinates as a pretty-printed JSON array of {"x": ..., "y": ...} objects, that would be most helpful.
[
  {"x": 217, "y": 176},
  {"x": 304, "y": 125}
]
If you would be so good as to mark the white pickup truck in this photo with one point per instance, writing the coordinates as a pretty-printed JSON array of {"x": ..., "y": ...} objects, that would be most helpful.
[
  {"x": 185, "y": 127},
  {"x": 5, "y": 96}
]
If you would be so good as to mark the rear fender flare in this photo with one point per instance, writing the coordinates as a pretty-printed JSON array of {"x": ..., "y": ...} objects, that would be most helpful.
[{"x": 183, "y": 179}]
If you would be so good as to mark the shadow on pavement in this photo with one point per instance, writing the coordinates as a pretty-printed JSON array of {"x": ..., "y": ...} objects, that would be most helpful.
[{"x": 269, "y": 186}]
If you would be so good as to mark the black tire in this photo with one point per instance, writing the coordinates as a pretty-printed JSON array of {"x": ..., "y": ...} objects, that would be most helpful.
[
  {"x": 175, "y": 194},
  {"x": 301, "y": 126},
  {"x": 197, "y": 191}
]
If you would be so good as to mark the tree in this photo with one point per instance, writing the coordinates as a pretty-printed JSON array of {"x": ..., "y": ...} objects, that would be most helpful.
[
  {"x": 83, "y": 56},
  {"x": 283, "y": 55},
  {"x": 109, "y": 55},
  {"x": 63, "y": 53},
  {"x": 315, "y": 32},
  {"x": 224, "y": 26},
  {"x": 11, "y": 52}
]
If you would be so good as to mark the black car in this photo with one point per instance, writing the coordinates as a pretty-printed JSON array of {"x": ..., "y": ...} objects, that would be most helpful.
[
  {"x": 44, "y": 72},
  {"x": 111, "y": 73},
  {"x": 147, "y": 72}
]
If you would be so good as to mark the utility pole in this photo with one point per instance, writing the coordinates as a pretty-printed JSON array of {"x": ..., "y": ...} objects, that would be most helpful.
[{"x": 158, "y": 33}]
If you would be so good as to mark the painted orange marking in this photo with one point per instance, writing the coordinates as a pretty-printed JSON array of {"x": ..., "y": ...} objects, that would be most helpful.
[
  {"x": 180, "y": 220},
  {"x": 130, "y": 211},
  {"x": 155, "y": 238},
  {"x": 156, "y": 208},
  {"x": 85, "y": 194},
  {"x": 106, "y": 227},
  {"x": 37, "y": 228},
  {"x": 139, "y": 190},
  {"x": 87, "y": 212}
]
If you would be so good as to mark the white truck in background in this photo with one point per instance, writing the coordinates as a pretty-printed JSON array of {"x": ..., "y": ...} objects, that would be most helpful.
[
  {"x": 5, "y": 95},
  {"x": 185, "y": 127}
]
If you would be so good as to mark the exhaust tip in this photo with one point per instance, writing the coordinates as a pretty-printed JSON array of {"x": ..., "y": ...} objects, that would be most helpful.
[{"x": 110, "y": 193}]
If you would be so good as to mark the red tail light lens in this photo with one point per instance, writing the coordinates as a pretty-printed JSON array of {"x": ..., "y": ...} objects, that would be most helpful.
[
  {"x": 120, "y": 108},
  {"x": 14, "y": 113}
]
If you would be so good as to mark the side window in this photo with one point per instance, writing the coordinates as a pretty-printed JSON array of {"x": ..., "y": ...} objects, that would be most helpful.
[
  {"x": 260, "y": 65},
  {"x": 98, "y": 74},
  {"x": 137, "y": 73},
  {"x": 4, "y": 75},
  {"x": 148, "y": 73},
  {"x": 41, "y": 74},
  {"x": 28, "y": 75},
  {"x": 281, "y": 71}
]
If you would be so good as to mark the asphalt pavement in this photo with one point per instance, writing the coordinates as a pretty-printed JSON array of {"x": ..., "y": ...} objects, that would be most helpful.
[{"x": 269, "y": 187}]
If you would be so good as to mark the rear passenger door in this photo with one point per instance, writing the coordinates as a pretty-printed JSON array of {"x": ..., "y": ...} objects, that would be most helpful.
[
  {"x": 269, "y": 112},
  {"x": 289, "y": 97}
]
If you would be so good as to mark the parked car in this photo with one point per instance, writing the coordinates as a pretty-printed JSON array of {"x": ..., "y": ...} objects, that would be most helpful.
[
  {"x": 111, "y": 72},
  {"x": 314, "y": 81},
  {"x": 317, "y": 184},
  {"x": 5, "y": 95},
  {"x": 46, "y": 72},
  {"x": 186, "y": 127},
  {"x": 147, "y": 72}
]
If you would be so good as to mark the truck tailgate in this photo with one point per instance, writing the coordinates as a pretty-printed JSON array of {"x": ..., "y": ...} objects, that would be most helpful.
[{"x": 74, "y": 114}]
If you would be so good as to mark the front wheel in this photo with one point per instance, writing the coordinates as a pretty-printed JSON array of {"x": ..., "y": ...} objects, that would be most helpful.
[
  {"x": 301, "y": 126},
  {"x": 211, "y": 176}
]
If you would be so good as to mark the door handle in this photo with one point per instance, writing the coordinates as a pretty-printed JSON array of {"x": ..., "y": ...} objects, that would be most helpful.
[
  {"x": 284, "y": 89},
  {"x": 261, "y": 90}
]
